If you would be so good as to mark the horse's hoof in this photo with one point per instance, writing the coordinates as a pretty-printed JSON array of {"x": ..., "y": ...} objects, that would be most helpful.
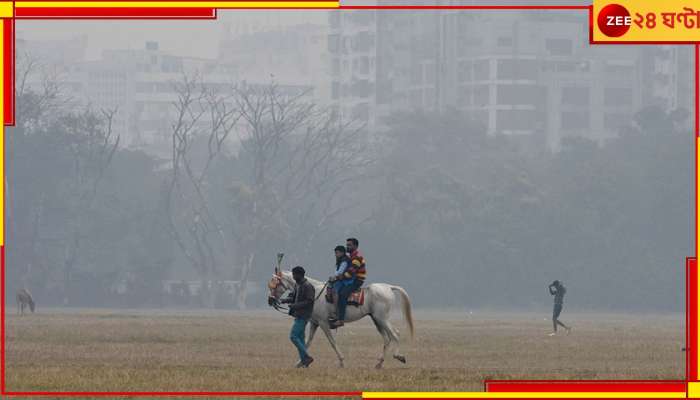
[{"x": 402, "y": 359}]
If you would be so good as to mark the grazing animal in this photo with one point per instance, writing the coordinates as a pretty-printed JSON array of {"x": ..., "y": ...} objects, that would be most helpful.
[
  {"x": 24, "y": 299},
  {"x": 379, "y": 297}
]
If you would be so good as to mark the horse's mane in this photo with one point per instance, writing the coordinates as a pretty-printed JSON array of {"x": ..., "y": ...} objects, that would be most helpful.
[{"x": 314, "y": 282}]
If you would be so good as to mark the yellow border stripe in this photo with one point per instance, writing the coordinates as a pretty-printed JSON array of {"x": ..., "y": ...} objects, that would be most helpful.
[
  {"x": 523, "y": 395},
  {"x": 6, "y": 9},
  {"x": 179, "y": 4}
]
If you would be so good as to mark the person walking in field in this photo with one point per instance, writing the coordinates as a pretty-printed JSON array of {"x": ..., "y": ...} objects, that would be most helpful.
[
  {"x": 558, "y": 290},
  {"x": 301, "y": 305}
]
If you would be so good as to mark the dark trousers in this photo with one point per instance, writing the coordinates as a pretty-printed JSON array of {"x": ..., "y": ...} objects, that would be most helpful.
[
  {"x": 343, "y": 295},
  {"x": 555, "y": 316}
]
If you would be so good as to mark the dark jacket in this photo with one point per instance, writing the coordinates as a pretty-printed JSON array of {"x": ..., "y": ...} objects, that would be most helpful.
[
  {"x": 302, "y": 300},
  {"x": 558, "y": 293}
]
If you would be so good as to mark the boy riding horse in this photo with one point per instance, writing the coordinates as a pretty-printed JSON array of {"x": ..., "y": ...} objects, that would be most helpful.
[{"x": 349, "y": 279}]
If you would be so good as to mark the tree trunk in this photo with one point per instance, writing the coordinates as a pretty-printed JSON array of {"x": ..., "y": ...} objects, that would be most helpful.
[{"x": 243, "y": 284}]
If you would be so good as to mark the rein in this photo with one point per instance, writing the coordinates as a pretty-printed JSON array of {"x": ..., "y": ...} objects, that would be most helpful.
[{"x": 285, "y": 310}]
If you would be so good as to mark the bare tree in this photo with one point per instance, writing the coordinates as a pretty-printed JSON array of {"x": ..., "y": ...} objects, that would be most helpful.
[
  {"x": 92, "y": 144},
  {"x": 301, "y": 158},
  {"x": 204, "y": 118},
  {"x": 38, "y": 98}
]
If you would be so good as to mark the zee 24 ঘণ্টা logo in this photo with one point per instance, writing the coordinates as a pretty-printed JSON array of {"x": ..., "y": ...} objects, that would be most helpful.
[
  {"x": 614, "y": 20},
  {"x": 651, "y": 21}
]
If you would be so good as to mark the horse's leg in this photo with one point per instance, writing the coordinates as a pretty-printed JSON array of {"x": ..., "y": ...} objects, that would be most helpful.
[
  {"x": 312, "y": 332},
  {"x": 394, "y": 335},
  {"x": 326, "y": 329},
  {"x": 385, "y": 336}
]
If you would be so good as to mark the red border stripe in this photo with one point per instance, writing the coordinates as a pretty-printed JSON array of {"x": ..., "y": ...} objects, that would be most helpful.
[
  {"x": 9, "y": 72},
  {"x": 544, "y": 386},
  {"x": 585, "y": 386},
  {"x": 126, "y": 12},
  {"x": 2, "y": 316},
  {"x": 697, "y": 97},
  {"x": 457, "y": 7},
  {"x": 692, "y": 310},
  {"x": 179, "y": 394}
]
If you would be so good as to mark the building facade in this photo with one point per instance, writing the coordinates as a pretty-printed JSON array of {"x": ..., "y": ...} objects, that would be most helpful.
[{"x": 531, "y": 73}]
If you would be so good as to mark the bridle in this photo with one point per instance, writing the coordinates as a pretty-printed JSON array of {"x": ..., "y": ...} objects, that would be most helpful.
[{"x": 276, "y": 282}]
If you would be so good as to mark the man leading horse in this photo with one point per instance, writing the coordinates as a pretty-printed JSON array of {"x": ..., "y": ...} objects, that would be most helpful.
[{"x": 378, "y": 301}]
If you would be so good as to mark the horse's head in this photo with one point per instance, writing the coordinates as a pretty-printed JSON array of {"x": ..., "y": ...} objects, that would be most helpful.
[{"x": 278, "y": 285}]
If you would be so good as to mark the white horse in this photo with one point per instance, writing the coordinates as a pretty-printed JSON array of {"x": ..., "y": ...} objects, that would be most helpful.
[{"x": 379, "y": 298}]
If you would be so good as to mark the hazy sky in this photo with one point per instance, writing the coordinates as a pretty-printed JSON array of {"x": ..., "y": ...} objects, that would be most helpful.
[{"x": 194, "y": 38}]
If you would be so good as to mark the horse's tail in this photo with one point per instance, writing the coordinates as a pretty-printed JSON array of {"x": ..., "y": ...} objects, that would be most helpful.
[{"x": 406, "y": 306}]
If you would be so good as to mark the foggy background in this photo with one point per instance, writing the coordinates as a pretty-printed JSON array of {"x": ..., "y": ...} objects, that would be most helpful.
[{"x": 477, "y": 156}]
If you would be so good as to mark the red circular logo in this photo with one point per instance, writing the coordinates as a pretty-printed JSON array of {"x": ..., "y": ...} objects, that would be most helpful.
[{"x": 614, "y": 20}]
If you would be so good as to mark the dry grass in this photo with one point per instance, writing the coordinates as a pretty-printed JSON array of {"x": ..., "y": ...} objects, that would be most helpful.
[{"x": 140, "y": 351}]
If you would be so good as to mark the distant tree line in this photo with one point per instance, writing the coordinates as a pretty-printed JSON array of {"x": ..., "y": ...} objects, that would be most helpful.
[{"x": 460, "y": 218}]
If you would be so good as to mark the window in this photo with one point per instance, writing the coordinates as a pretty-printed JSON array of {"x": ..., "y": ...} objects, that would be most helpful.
[
  {"x": 429, "y": 73},
  {"x": 515, "y": 119},
  {"x": 520, "y": 95},
  {"x": 627, "y": 70},
  {"x": 466, "y": 44},
  {"x": 416, "y": 98},
  {"x": 464, "y": 96},
  {"x": 575, "y": 96},
  {"x": 618, "y": 97},
  {"x": 505, "y": 41},
  {"x": 429, "y": 97},
  {"x": 361, "y": 112},
  {"x": 464, "y": 71},
  {"x": 615, "y": 121},
  {"x": 575, "y": 120},
  {"x": 363, "y": 41},
  {"x": 566, "y": 67},
  {"x": 481, "y": 70},
  {"x": 363, "y": 18},
  {"x": 144, "y": 87},
  {"x": 361, "y": 88},
  {"x": 384, "y": 91},
  {"x": 481, "y": 95},
  {"x": 335, "y": 90},
  {"x": 559, "y": 47},
  {"x": 364, "y": 65},
  {"x": 333, "y": 43},
  {"x": 334, "y": 19},
  {"x": 517, "y": 69},
  {"x": 416, "y": 74}
]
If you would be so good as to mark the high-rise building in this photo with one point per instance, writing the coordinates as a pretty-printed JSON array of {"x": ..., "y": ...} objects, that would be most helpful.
[
  {"x": 531, "y": 73},
  {"x": 142, "y": 86},
  {"x": 290, "y": 55}
]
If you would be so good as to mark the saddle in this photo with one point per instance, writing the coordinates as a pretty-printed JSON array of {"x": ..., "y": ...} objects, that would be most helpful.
[{"x": 356, "y": 298}]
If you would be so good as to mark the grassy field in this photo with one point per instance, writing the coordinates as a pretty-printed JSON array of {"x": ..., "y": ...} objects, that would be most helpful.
[{"x": 105, "y": 350}]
